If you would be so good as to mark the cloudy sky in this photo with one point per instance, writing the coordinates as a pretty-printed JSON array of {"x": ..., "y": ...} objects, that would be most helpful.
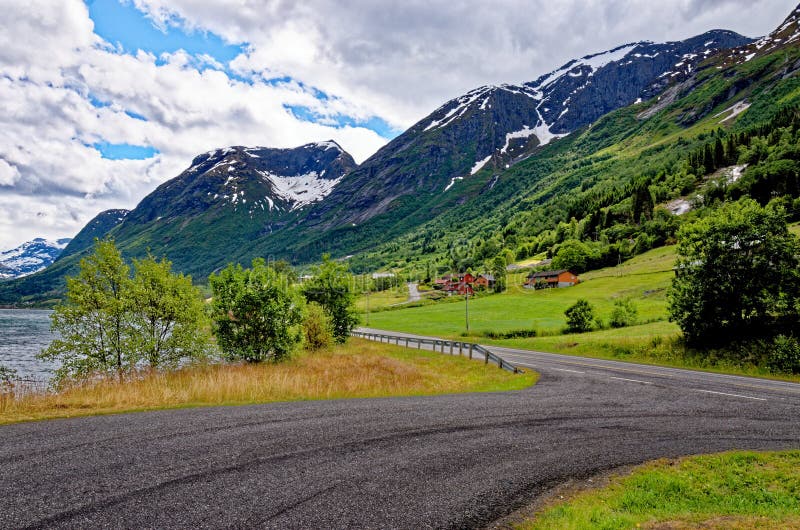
[{"x": 101, "y": 101}]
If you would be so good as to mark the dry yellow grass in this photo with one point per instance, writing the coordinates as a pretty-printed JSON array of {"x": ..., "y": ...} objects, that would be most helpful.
[{"x": 358, "y": 369}]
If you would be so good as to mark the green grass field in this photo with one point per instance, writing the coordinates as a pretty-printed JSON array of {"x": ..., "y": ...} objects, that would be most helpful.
[
  {"x": 740, "y": 490},
  {"x": 644, "y": 279},
  {"x": 383, "y": 299}
]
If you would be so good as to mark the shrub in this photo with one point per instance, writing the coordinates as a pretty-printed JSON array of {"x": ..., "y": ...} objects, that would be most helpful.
[
  {"x": 513, "y": 334},
  {"x": 785, "y": 355},
  {"x": 623, "y": 314},
  {"x": 7, "y": 378},
  {"x": 580, "y": 317},
  {"x": 332, "y": 287},
  {"x": 317, "y": 332},
  {"x": 256, "y": 313}
]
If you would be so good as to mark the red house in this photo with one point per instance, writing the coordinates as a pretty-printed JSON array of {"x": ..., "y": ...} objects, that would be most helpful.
[{"x": 559, "y": 278}]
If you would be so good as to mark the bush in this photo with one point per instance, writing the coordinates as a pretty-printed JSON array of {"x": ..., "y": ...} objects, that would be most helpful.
[
  {"x": 785, "y": 355},
  {"x": 513, "y": 334},
  {"x": 7, "y": 378},
  {"x": 623, "y": 314},
  {"x": 256, "y": 312},
  {"x": 332, "y": 287},
  {"x": 317, "y": 332},
  {"x": 580, "y": 317}
]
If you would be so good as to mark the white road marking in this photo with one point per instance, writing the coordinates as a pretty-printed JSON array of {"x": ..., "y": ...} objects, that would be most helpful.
[
  {"x": 566, "y": 370},
  {"x": 632, "y": 380},
  {"x": 732, "y": 395}
]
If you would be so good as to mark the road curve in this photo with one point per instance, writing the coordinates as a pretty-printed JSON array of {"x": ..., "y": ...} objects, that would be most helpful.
[{"x": 456, "y": 461}]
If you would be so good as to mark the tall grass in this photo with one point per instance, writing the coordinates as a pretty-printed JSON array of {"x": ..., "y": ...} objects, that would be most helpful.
[{"x": 358, "y": 369}]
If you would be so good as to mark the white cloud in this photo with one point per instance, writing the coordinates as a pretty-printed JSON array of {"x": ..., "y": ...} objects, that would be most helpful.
[
  {"x": 53, "y": 181},
  {"x": 394, "y": 60},
  {"x": 9, "y": 174},
  {"x": 400, "y": 60}
]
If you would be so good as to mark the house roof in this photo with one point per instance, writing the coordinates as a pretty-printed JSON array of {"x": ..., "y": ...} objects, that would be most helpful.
[
  {"x": 489, "y": 277},
  {"x": 547, "y": 274}
]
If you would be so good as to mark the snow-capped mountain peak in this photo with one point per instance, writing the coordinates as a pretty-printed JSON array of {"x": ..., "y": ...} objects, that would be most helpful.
[{"x": 30, "y": 257}]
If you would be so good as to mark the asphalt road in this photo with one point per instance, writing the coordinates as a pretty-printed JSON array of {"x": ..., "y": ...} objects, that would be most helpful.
[{"x": 459, "y": 461}]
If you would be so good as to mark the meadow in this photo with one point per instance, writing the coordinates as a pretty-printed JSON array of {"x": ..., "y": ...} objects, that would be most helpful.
[{"x": 643, "y": 279}]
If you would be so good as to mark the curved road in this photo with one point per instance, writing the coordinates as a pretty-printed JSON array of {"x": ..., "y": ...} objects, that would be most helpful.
[{"x": 458, "y": 461}]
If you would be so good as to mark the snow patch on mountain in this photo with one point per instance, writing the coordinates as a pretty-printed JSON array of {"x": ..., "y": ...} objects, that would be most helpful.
[
  {"x": 300, "y": 190},
  {"x": 30, "y": 257},
  {"x": 462, "y": 105},
  {"x": 734, "y": 111},
  {"x": 479, "y": 165}
]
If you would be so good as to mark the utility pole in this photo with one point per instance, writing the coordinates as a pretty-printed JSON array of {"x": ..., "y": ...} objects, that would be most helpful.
[
  {"x": 367, "y": 307},
  {"x": 466, "y": 308}
]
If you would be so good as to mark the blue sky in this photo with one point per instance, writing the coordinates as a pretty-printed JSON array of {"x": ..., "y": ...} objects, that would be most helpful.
[{"x": 120, "y": 23}]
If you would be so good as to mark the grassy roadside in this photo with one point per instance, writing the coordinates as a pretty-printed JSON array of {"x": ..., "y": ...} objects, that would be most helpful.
[
  {"x": 358, "y": 369},
  {"x": 655, "y": 343},
  {"x": 740, "y": 490},
  {"x": 643, "y": 279}
]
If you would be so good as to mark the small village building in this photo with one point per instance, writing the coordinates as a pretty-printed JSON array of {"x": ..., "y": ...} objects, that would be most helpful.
[
  {"x": 485, "y": 281},
  {"x": 559, "y": 278},
  {"x": 456, "y": 283}
]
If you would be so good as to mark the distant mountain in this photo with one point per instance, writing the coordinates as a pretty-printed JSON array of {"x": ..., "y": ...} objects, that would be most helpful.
[{"x": 30, "y": 257}]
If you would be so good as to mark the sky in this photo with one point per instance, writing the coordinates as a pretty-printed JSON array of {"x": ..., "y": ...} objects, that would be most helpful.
[{"x": 103, "y": 100}]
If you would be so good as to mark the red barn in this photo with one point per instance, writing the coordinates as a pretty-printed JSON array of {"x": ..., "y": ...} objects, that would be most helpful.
[{"x": 559, "y": 278}]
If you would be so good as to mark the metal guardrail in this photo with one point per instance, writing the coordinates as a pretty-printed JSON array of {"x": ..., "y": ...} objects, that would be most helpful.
[{"x": 444, "y": 346}]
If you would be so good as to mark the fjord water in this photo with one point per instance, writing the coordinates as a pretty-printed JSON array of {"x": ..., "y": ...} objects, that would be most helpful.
[{"x": 23, "y": 334}]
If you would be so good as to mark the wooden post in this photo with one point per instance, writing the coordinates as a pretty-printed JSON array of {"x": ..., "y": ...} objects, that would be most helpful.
[
  {"x": 406, "y": 342},
  {"x": 486, "y": 361},
  {"x": 470, "y": 350}
]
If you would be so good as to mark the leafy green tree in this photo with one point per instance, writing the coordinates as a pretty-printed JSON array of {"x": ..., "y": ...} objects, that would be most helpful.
[
  {"x": 573, "y": 255},
  {"x": 736, "y": 276},
  {"x": 94, "y": 323},
  {"x": 112, "y": 323},
  {"x": 332, "y": 287},
  {"x": 256, "y": 312},
  {"x": 580, "y": 316},
  {"x": 168, "y": 315},
  {"x": 624, "y": 313},
  {"x": 499, "y": 272}
]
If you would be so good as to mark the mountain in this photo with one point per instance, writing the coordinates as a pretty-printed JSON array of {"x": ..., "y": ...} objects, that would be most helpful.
[
  {"x": 586, "y": 152},
  {"x": 97, "y": 228},
  {"x": 227, "y": 199},
  {"x": 30, "y": 257},
  {"x": 418, "y": 174}
]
